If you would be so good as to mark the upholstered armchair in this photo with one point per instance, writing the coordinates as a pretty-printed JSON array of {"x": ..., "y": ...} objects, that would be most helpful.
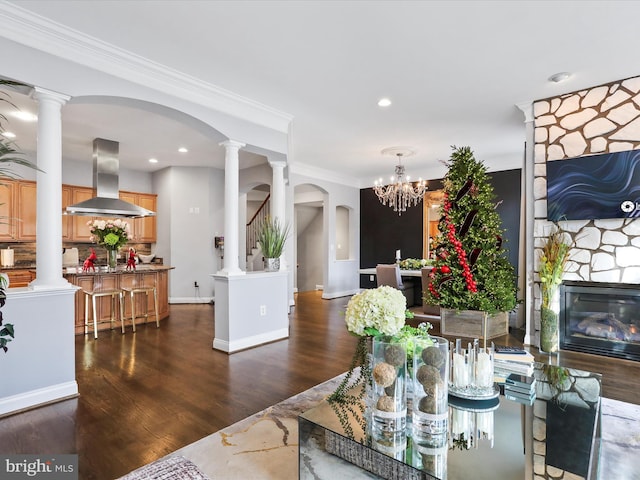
[{"x": 389, "y": 275}]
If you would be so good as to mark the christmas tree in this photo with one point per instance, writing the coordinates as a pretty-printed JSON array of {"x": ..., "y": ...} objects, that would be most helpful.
[{"x": 471, "y": 270}]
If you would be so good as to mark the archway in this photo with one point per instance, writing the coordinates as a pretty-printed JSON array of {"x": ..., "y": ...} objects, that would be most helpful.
[{"x": 310, "y": 236}]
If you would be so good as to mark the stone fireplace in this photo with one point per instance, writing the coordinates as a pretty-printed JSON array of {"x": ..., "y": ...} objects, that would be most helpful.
[
  {"x": 600, "y": 318},
  {"x": 602, "y": 119}
]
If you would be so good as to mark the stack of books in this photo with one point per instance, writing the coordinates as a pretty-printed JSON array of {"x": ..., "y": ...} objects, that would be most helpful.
[
  {"x": 508, "y": 360},
  {"x": 520, "y": 388}
]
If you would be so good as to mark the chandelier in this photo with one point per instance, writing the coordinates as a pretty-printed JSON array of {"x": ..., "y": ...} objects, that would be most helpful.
[{"x": 400, "y": 193}]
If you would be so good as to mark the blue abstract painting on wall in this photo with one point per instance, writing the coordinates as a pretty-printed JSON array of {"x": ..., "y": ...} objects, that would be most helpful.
[{"x": 594, "y": 187}]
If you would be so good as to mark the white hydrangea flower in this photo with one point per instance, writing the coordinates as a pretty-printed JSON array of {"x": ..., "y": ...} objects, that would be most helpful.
[{"x": 381, "y": 308}]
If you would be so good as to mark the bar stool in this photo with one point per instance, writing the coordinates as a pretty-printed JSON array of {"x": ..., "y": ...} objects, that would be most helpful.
[
  {"x": 146, "y": 290},
  {"x": 91, "y": 296}
]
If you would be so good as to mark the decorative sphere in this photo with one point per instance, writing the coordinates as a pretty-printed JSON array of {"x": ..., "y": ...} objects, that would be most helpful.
[
  {"x": 433, "y": 356},
  {"x": 395, "y": 355},
  {"x": 427, "y": 405},
  {"x": 384, "y": 374},
  {"x": 428, "y": 375},
  {"x": 386, "y": 404},
  {"x": 391, "y": 389},
  {"x": 435, "y": 390}
]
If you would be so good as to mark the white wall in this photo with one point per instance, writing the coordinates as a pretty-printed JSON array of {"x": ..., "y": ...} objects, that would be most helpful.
[
  {"x": 340, "y": 277},
  {"x": 39, "y": 366},
  {"x": 243, "y": 321},
  {"x": 343, "y": 240},
  {"x": 310, "y": 265},
  {"x": 81, "y": 174},
  {"x": 190, "y": 214}
]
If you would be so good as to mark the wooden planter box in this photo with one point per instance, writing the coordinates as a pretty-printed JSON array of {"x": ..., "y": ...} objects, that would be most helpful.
[{"x": 473, "y": 323}]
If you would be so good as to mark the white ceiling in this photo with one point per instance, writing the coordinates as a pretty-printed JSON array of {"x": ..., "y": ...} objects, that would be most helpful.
[{"x": 453, "y": 70}]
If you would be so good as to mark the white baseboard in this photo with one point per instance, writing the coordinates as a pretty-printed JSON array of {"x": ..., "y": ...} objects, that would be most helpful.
[
  {"x": 38, "y": 397},
  {"x": 248, "y": 342},
  {"x": 191, "y": 299},
  {"x": 319, "y": 287}
]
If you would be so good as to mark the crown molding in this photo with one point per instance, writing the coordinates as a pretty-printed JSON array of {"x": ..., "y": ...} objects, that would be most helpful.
[
  {"x": 321, "y": 174},
  {"x": 27, "y": 28},
  {"x": 527, "y": 109}
]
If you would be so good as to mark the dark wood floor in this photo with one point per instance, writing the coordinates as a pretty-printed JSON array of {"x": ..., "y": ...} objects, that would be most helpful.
[{"x": 145, "y": 395}]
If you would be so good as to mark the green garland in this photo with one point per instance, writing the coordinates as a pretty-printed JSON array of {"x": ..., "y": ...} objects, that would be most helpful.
[{"x": 348, "y": 399}]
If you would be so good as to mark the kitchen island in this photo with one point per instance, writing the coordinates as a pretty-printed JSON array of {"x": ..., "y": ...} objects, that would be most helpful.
[{"x": 144, "y": 275}]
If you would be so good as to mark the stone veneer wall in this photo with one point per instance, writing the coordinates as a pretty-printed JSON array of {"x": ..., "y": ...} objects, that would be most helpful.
[{"x": 597, "y": 120}]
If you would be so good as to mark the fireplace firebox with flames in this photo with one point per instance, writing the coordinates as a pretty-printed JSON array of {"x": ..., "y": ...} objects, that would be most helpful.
[{"x": 600, "y": 318}]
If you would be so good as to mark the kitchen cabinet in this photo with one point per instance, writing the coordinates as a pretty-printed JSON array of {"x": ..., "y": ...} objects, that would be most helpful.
[
  {"x": 67, "y": 220},
  {"x": 80, "y": 231},
  {"x": 17, "y": 211},
  {"x": 20, "y": 277},
  {"x": 26, "y": 211},
  {"x": 18, "y": 207},
  {"x": 7, "y": 201},
  {"x": 143, "y": 230}
]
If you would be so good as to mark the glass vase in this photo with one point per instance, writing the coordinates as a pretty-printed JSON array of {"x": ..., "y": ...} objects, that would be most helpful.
[
  {"x": 549, "y": 316},
  {"x": 388, "y": 393},
  {"x": 112, "y": 259},
  {"x": 430, "y": 390},
  {"x": 470, "y": 426},
  {"x": 472, "y": 370}
]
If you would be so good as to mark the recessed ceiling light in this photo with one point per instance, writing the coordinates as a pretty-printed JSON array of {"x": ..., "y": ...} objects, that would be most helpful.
[
  {"x": 24, "y": 116},
  {"x": 153, "y": 160},
  {"x": 183, "y": 150},
  {"x": 384, "y": 102},
  {"x": 9, "y": 134},
  {"x": 559, "y": 77}
]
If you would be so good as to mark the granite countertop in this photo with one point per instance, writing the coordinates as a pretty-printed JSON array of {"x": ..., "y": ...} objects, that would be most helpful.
[
  {"x": 102, "y": 269},
  {"x": 21, "y": 266}
]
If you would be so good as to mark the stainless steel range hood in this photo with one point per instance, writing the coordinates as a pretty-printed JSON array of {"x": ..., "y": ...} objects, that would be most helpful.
[{"x": 105, "y": 180}]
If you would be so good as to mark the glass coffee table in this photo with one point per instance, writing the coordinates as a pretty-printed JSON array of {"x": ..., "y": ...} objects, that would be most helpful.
[{"x": 555, "y": 435}]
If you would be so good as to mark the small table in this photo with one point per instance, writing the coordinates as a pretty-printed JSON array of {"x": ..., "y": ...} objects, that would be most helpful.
[
  {"x": 559, "y": 431},
  {"x": 403, "y": 273}
]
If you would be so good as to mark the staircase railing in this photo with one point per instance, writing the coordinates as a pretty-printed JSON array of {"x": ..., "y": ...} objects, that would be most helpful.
[{"x": 255, "y": 224}]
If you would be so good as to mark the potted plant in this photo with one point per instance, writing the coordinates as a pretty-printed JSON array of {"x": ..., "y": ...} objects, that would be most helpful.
[
  {"x": 271, "y": 238},
  {"x": 553, "y": 260},
  {"x": 472, "y": 279}
]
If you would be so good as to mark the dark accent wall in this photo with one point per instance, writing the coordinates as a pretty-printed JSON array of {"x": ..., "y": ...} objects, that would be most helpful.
[
  {"x": 383, "y": 231},
  {"x": 506, "y": 186}
]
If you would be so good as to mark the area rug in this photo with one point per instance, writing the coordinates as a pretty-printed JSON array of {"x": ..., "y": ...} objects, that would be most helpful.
[
  {"x": 264, "y": 446},
  {"x": 173, "y": 467}
]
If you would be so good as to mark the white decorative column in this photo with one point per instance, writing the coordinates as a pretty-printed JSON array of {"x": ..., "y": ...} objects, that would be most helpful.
[
  {"x": 527, "y": 270},
  {"x": 278, "y": 200},
  {"x": 49, "y": 190},
  {"x": 231, "y": 199}
]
